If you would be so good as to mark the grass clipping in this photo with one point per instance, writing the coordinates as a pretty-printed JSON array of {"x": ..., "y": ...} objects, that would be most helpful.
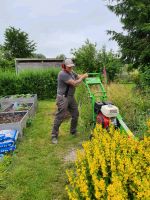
[{"x": 85, "y": 108}]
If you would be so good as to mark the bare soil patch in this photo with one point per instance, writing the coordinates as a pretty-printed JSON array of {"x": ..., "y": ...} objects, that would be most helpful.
[{"x": 11, "y": 117}]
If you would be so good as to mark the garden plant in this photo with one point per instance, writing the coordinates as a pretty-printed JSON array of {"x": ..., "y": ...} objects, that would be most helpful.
[{"x": 111, "y": 166}]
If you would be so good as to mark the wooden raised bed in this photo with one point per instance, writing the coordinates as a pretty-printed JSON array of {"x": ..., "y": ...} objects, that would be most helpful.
[
  {"x": 29, "y": 107},
  {"x": 13, "y": 120},
  {"x": 19, "y": 98}
]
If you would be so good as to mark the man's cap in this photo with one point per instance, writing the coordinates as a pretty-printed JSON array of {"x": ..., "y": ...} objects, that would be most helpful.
[{"x": 69, "y": 63}]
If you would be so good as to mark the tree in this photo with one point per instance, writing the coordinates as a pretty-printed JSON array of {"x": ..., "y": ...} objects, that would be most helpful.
[
  {"x": 38, "y": 55},
  {"x": 85, "y": 56},
  {"x": 1, "y": 52},
  {"x": 135, "y": 41},
  {"x": 61, "y": 56},
  {"x": 17, "y": 44},
  {"x": 111, "y": 61},
  {"x": 89, "y": 59},
  {"x": 4, "y": 63}
]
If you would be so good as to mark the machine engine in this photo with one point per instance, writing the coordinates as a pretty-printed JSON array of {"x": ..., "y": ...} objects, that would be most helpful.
[{"x": 107, "y": 114}]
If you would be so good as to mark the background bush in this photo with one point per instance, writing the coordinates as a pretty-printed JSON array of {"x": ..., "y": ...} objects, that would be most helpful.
[
  {"x": 7, "y": 65},
  {"x": 143, "y": 82},
  {"x": 133, "y": 106},
  {"x": 40, "y": 82}
]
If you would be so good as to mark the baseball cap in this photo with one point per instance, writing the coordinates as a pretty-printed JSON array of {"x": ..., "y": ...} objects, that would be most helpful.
[{"x": 69, "y": 63}]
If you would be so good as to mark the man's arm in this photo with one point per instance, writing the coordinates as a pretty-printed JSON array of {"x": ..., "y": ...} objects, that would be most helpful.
[
  {"x": 79, "y": 75},
  {"x": 78, "y": 81}
]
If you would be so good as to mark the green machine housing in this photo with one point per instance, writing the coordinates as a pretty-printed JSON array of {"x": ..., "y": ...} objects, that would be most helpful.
[{"x": 99, "y": 96}]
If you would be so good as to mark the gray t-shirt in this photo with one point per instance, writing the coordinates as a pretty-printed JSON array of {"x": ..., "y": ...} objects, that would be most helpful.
[{"x": 63, "y": 77}]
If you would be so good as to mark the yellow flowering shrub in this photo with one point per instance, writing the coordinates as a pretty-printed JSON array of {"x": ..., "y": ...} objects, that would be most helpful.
[
  {"x": 148, "y": 127},
  {"x": 111, "y": 166}
]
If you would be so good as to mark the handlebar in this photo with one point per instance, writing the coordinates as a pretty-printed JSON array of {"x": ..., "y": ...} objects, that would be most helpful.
[{"x": 93, "y": 74}]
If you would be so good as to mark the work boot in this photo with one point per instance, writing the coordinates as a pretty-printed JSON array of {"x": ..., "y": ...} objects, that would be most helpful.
[
  {"x": 74, "y": 133},
  {"x": 54, "y": 140}
]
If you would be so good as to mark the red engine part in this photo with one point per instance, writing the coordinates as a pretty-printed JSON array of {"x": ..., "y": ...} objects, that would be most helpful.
[{"x": 102, "y": 119}]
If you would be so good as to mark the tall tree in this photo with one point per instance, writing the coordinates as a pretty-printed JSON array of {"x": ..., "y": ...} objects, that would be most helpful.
[
  {"x": 85, "y": 56},
  {"x": 89, "y": 59},
  {"x": 135, "y": 41},
  {"x": 61, "y": 56},
  {"x": 1, "y": 52},
  {"x": 17, "y": 44},
  {"x": 38, "y": 55},
  {"x": 111, "y": 61}
]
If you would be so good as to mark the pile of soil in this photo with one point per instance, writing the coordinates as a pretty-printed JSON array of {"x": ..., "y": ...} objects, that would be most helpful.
[{"x": 11, "y": 117}]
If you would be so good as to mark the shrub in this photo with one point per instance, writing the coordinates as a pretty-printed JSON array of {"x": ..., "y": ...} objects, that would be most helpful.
[
  {"x": 40, "y": 82},
  {"x": 109, "y": 168},
  {"x": 144, "y": 80},
  {"x": 132, "y": 105},
  {"x": 126, "y": 77},
  {"x": 7, "y": 64},
  {"x": 8, "y": 83}
]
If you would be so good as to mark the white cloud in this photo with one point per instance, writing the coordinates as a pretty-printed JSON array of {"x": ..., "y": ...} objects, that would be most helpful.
[{"x": 57, "y": 26}]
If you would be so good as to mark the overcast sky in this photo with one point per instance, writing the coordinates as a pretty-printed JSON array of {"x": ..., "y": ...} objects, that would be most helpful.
[{"x": 59, "y": 25}]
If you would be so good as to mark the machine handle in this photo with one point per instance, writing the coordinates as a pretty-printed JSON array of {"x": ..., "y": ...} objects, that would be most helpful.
[{"x": 93, "y": 74}]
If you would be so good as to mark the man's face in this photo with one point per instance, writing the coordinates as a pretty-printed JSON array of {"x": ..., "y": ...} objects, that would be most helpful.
[{"x": 68, "y": 68}]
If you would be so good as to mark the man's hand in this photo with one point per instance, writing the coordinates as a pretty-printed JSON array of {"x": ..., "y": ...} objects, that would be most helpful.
[
  {"x": 78, "y": 81},
  {"x": 85, "y": 75}
]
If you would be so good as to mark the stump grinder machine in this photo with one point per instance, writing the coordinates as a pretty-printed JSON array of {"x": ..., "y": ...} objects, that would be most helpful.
[{"x": 103, "y": 112}]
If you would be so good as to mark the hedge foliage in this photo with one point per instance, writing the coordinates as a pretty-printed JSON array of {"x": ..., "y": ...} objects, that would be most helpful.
[
  {"x": 133, "y": 105},
  {"x": 111, "y": 166},
  {"x": 144, "y": 80},
  {"x": 41, "y": 82}
]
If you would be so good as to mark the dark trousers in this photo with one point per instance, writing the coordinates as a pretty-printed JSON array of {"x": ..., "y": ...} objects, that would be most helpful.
[{"x": 65, "y": 104}]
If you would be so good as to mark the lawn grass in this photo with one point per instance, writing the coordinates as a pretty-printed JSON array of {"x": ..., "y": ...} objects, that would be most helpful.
[{"x": 38, "y": 168}]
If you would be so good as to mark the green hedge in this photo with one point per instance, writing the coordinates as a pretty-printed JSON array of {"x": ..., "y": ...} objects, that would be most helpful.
[{"x": 40, "y": 82}]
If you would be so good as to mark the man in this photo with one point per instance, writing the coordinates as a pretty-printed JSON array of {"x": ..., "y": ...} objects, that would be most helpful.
[{"x": 67, "y": 81}]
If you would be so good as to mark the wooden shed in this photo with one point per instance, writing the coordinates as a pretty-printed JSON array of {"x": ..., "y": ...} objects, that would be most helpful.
[{"x": 34, "y": 63}]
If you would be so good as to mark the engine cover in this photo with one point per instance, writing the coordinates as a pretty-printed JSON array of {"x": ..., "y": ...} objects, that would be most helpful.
[
  {"x": 110, "y": 111},
  {"x": 101, "y": 119}
]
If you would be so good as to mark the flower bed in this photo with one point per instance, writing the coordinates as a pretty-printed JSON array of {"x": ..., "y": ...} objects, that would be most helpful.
[
  {"x": 19, "y": 98},
  {"x": 14, "y": 120},
  {"x": 22, "y": 107}
]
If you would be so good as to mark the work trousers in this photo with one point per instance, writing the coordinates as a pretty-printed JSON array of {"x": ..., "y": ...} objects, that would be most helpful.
[{"x": 65, "y": 104}]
